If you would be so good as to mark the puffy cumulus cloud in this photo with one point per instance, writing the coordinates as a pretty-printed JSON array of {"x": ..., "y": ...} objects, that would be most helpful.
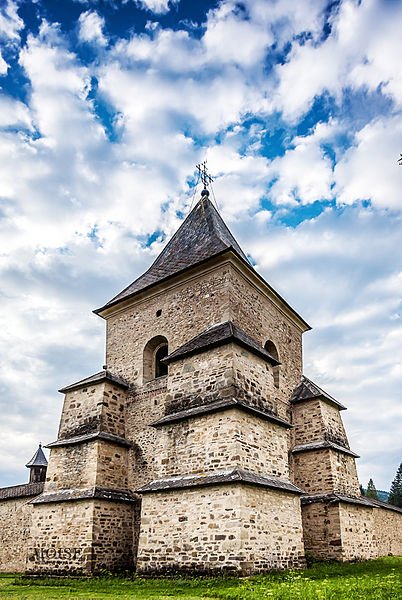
[
  {"x": 342, "y": 273},
  {"x": 229, "y": 38},
  {"x": 368, "y": 170},
  {"x": 156, "y": 6},
  {"x": 90, "y": 28},
  {"x": 304, "y": 174},
  {"x": 358, "y": 53},
  {"x": 10, "y": 22}
]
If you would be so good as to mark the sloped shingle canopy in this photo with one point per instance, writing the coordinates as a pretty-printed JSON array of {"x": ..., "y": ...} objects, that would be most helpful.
[
  {"x": 218, "y": 335},
  {"x": 201, "y": 236}
]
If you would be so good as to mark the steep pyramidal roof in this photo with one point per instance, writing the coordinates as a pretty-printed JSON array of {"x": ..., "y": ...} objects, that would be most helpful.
[
  {"x": 308, "y": 390},
  {"x": 202, "y": 235},
  {"x": 38, "y": 459}
]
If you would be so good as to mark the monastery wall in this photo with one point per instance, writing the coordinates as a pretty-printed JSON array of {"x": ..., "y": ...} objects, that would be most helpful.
[
  {"x": 219, "y": 441},
  {"x": 15, "y": 520},
  {"x": 346, "y": 531}
]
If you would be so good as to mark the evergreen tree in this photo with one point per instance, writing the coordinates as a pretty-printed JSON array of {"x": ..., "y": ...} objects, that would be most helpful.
[
  {"x": 395, "y": 493},
  {"x": 362, "y": 493},
  {"x": 371, "y": 491}
]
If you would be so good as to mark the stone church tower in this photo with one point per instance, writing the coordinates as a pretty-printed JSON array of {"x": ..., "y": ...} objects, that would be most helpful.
[{"x": 200, "y": 447}]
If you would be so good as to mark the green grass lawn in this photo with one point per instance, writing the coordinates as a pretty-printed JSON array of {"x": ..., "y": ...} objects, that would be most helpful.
[{"x": 375, "y": 580}]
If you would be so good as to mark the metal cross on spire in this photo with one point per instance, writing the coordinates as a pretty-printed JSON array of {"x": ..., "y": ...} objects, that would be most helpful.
[{"x": 205, "y": 176}]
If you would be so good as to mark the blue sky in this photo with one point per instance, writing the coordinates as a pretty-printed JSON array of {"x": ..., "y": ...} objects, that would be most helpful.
[{"x": 105, "y": 108}]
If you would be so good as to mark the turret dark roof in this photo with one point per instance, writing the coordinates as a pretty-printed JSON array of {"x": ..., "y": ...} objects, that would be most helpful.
[
  {"x": 307, "y": 390},
  {"x": 201, "y": 236},
  {"x": 38, "y": 459},
  {"x": 97, "y": 378},
  {"x": 218, "y": 335}
]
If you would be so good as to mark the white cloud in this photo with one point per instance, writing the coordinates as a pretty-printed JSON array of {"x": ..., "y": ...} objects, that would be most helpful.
[
  {"x": 304, "y": 173},
  {"x": 369, "y": 168},
  {"x": 10, "y": 22},
  {"x": 91, "y": 26},
  {"x": 3, "y": 66},
  {"x": 359, "y": 53},
  {"x": 157, "y": 6},
  {"x": 14, "y": 113}
]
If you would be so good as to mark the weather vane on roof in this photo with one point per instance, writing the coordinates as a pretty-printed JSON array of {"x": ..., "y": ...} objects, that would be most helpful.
[{"x": 205, "y": 176}]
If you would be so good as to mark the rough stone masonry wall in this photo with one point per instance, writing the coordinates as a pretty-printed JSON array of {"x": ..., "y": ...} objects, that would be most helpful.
[
  {"x": 186, "y": 310},
  {"x": 219, "y": 441},
  {"x": 61, "y": 538},
  {"x": 260, "y": 318},
  {"x": 345, "y": 479},
  {"x": 370, "y": 532},
  {"x": 204, "y": 529},
  {"x": 255, "y": 381},
  {"x": 326, "y": 470},
  {"x": 322, "y": 531},
  {"x": 93, "y": 463},
  {"x": 15, "y": 523},
  {"x": 72, "y": 466},
  {"x": 201, "y": 378},
  {"x": 388, "y": 531},
  {"x": 81, "y": 537},
  {"x": 274, "y": 536},
  {"x": 345, "y": 531},
  {"x": 144, "y": 408},
  {"x": 113, "y": 536},
  {"x": 315, "y": 421},
  {"x": 97, "y": 407}
]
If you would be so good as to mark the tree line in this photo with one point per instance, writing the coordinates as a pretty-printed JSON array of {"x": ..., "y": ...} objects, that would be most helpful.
[{"x": 395, "y": 492}]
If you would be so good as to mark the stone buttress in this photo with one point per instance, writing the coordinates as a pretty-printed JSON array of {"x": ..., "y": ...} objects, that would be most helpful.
[
  {"x": 338, "y": 523},
  {"x": 83, "y": 522}
]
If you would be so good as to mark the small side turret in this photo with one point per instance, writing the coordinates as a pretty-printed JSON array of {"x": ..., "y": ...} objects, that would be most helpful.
[{"x": 37, "y": 466}]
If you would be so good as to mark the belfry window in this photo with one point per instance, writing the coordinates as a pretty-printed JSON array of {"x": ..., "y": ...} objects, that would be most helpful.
[
  {"x": 154, "y": 351},
  {"x": 160, "y": 367},
  {"x": 271, "y": 349}
]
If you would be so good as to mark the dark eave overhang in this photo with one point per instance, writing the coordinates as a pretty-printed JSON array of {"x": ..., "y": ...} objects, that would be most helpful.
[
  {"x": 325, "y": 445},
  {"x": 94, "y": 379},
  {"x": 230, "y": 477},
  {"x": 219, "y": 406}
]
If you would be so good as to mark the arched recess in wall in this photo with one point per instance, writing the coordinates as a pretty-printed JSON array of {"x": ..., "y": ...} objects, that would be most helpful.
[
  {"x": 154, "y": 351},
  {"x": 272, "y": 350}
]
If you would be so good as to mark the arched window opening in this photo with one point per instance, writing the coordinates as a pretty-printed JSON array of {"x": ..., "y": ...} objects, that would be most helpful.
[
  {"x": 161, "y": 368},
  {"x": 154, "y": 351},
  {"x": 271, "y": 349}
]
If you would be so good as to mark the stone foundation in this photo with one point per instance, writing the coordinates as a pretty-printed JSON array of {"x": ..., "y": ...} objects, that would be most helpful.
[{"x": 233, "y": 528}]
